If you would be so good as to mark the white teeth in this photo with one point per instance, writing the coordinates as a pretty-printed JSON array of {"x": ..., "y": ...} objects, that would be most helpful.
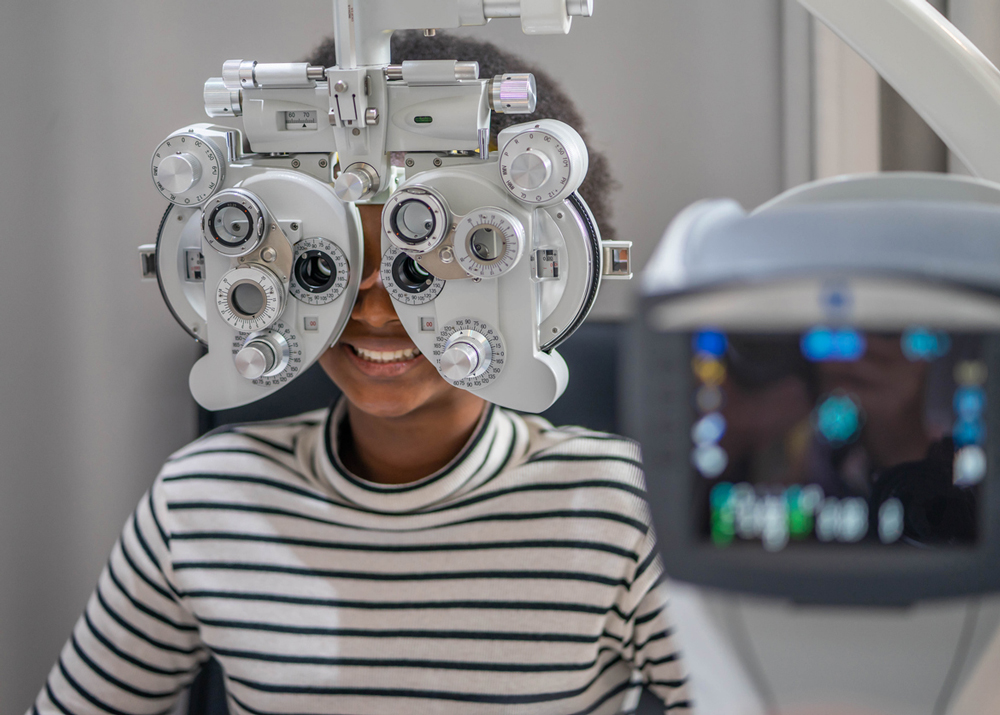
[{"x": 376, "y": 356}]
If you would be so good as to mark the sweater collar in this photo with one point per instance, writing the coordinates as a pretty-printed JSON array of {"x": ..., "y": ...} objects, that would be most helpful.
[{"x": 489, "y": 449}]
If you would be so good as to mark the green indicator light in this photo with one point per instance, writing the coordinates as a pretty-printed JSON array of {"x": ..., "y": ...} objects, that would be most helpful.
[{"x": 423, "y": 120}]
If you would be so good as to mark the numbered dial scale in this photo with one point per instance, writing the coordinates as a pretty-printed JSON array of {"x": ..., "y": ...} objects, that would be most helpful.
[
  {"x": 543, "y": 165},
  {"x": 406, "y": 280},
  {"x": 290, "y": 346},
  {"x": 187, "y": 169},
  {"x": 249, "y": 298},
  {"x": 475, "y": 343},
  {"x": 320, "y": 271},
  {"x": 488, "y": 242}
]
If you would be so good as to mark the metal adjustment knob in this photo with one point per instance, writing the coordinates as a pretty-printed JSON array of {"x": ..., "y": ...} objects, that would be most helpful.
[
  {"x": 467, "y": 354},
  {"x": 188, "y": 167},
  {"x": 255, "y": 359},
  {"x": 513, "y": 94},
  {"x": 179, "y": 172},
  {"x": 356, "y": 183},
  {"x": 530, "y": 170},
  {"x": 222, "y": 101},
  {"x": 459, "y": 361},
  {"x": 262, "y": 355}
]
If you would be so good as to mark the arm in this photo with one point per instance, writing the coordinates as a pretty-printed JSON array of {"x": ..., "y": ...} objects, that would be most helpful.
[
  {"x": 652, "y": 646},
  {"x": 136, "y": 647}
]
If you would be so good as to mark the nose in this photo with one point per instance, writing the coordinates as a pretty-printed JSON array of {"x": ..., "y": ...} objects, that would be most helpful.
[{"x": 373, "y": 305}]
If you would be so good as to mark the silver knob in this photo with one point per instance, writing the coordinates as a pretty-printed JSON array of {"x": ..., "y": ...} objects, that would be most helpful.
[
  {"x": 179, "y": 172},
  {"x": 255, "y": 359},
  {"x": 459, "y": 361},
  {"x": 222, "y": 101},
  {"x": 513, "y": 94},
  {"x": 356, "y": 183},
  {"x": 466, "y": 354},
  {"x": 512, "y": 8},
  {"x": 530, "y": 170},
  {"x": 262, "y": 354}
]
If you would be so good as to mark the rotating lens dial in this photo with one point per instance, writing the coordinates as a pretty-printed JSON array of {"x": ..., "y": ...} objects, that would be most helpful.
[
  {"x": 262, "y": 355},
  {"x": 250, "y": 298},
  {"x": 489, "y": 242},
  {"x": 406, "y": 280},
  {"x": 257, "y": 349},
  {"x": 320, "y": 271},
  {"x": 415, "y": 219},
  {"x": 234, "y": 222},
  {"x": 543, "y": 163},
  {"x": 187, "y": 169},
  {"x": 469, "y": 353}
]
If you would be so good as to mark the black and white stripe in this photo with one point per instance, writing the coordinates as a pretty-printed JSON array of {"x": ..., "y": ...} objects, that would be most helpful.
[{"x": 522, "y": 578}]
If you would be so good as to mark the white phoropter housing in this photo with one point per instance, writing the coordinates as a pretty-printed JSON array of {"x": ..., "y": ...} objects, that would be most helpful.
[{"x": 491, "y": 260}]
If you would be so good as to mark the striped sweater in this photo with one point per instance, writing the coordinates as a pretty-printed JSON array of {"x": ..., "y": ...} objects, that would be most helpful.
[{"x": 521, "y": 578}]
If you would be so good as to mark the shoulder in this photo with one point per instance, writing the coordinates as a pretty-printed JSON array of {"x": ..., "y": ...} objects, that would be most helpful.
[
  {"x": 595, "y": 469},
  {"x": 273, "y": 453},
  {"x": 281, "y": 435},
  {"x": 547, "y": 443}
]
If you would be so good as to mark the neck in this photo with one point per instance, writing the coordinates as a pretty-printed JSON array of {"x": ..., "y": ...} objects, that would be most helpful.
[{"x": 404, "y": 449}]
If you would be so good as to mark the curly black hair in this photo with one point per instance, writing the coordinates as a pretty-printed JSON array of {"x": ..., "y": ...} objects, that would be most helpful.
[{"x": 553, "y": 103}]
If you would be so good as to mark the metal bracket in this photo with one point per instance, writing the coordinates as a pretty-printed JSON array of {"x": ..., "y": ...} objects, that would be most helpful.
[
  {"x": 617, "y": 263},
  {"x": 147, "y": 261}
]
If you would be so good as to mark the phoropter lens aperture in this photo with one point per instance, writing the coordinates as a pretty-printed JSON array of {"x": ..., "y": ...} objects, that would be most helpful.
[
  {"x": 231, "y": 224},
  {"x": 487, "y": 244},
  {"x": 247, "y": 299},
  {"x": 409, "y": 275},
  {"x": 413, "y": 221},
  {"x": 315, "y": 271}
]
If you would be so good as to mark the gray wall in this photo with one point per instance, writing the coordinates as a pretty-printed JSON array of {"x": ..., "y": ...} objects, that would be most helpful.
[{"x": 683, "y": 95}]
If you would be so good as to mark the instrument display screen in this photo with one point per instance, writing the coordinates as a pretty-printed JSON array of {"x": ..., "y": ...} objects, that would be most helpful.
[{"x": 834, "y": 435}]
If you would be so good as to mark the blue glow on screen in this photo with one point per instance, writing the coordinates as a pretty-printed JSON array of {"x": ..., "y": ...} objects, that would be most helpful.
[
  {"x": 923, "y": 344},
  {"x": 822, "y": 344},
  {"x": 710, "y": 342}
]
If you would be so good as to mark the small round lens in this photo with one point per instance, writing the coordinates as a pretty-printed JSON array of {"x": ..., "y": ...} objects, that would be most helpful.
[
  {"x": 413, "y": 221},
  {"x": 231, "y": 224},
  {"x": 247, "y": 299},
  {"x": 410, "y": 275},
  {"x": 487, "y": 244},
  {"x": 315, "y": 271}
]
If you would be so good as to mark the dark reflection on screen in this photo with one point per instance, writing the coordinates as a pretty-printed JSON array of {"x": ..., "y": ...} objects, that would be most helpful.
[{"x": 838, "y": 436}]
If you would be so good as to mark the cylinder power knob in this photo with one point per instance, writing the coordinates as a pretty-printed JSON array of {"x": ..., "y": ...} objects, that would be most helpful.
[
  {"x": 262, "y": 354},
  {"x": 466, "y": 354},
  {"x": 255, "y": 359}
]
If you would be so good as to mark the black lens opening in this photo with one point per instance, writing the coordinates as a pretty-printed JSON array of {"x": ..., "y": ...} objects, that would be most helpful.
[
  {"x": 409, "y": 275},
  {"x": 487, "y": 244},
  {"x": 226, "y": 211},
  {"x": 315, "y": 271},
  {"x": 412, "y": 221}
]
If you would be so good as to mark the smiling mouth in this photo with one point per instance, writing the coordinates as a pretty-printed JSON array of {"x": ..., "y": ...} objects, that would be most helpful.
[{"x": 384, "y": 358}]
